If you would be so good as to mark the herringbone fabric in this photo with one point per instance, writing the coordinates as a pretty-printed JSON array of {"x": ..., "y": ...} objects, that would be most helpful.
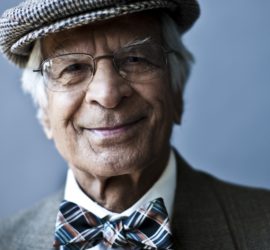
[
  {"x": 146, "y": 228},
  {"x": 22, "y": 25}
]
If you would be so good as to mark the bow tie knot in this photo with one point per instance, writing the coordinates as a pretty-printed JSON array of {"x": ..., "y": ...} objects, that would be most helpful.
[
  {"x": 146, "y": 228},
  {"x": 115, "y": 233}
]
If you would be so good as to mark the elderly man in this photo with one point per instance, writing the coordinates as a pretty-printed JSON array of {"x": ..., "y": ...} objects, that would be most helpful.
[{"x": 108, "y": 78}]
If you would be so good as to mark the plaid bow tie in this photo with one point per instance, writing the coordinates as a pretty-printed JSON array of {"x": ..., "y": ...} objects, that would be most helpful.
[{"x": 146, "y": 228}]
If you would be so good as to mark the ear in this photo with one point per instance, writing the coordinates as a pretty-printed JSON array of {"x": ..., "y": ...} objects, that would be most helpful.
[
  {"x": 178, "y": 106},
  {"x": 45, "y": 122}
]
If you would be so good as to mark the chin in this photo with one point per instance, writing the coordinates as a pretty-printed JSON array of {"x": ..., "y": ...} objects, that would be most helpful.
[{"x": 114, "y": 163}]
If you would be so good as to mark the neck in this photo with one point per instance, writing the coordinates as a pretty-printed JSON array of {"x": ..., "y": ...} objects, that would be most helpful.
[{"x": 118, "y": 193}]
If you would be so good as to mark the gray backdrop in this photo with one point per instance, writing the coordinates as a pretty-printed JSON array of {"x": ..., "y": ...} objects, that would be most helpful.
[{"x": 225, "y": 128}]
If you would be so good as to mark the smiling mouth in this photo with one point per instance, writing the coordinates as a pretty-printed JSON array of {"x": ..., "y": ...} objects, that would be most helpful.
[{"x": 115, "y": 129}]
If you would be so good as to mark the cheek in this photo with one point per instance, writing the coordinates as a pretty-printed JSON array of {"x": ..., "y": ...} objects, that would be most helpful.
[
  {"x": 61, "y": 109},
  {"x": 159, "y": 96}
]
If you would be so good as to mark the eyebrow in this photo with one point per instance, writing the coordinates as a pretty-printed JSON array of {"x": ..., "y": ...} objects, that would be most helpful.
[
  {"x": 60, "y": 48},
  {"x": 56, "y": 50},
  {"x": 136, "y": 41}
]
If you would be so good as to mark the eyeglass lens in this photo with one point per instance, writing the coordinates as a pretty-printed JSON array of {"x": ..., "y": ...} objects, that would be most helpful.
[{"x": 74, "y": 71}]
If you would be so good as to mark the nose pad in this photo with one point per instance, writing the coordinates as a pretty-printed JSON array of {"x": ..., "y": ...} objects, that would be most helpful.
[{"x": 107, "y": 88}]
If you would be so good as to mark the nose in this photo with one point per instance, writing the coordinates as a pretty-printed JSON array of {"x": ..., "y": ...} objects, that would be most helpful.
[{"x": 107, "y": 87}]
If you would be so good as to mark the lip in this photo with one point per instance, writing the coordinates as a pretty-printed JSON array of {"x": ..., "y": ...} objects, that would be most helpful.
[{"x": 116, "y": 130}]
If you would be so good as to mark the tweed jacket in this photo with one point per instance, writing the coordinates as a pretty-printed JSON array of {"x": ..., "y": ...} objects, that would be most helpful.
[{"x": 209, "y": 214}]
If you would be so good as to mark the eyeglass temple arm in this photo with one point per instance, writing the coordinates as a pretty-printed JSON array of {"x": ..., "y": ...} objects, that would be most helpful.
[{"x": 37, "y": 71}]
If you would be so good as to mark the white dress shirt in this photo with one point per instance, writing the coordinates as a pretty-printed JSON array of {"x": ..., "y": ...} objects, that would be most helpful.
[{"x": 164, "y": 187}]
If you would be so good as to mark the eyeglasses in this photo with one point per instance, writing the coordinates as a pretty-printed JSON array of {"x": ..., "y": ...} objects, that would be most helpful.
[{"x": 136, "y": 63}]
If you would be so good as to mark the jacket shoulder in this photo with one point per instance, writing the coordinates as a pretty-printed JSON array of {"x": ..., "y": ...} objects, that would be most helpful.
[
  {"x": 247, "y": 211},
  {"x": 213, "y": 214},
  {"x": 33, "y": 228},
  {"x": 248, "y": 199}
]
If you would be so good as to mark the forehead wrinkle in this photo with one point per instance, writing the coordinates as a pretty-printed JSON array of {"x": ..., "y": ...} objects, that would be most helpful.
[
  {"x": 90, "y": 47},
  {"x": 100, "y": 37},
  {"x": 55, "y": 44},
  {"x": 69, "y": 45}
]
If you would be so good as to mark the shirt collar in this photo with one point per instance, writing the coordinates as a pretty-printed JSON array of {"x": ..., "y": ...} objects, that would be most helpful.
[{"x": 164, "y": 188}]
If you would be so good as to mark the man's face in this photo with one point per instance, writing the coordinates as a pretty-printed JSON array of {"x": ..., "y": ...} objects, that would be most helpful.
[{"x": 114, "y": 127}]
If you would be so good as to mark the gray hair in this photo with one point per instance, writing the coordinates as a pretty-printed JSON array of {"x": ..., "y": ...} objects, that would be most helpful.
[
  {"x": 181, "y": 60},
  {"x": 179, "y": 63},
  {"x": 32, "y": 82}
]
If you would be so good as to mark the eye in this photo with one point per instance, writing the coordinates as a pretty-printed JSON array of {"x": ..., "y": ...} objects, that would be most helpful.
[
  {"x": 134, "y": 59},
  {"x": 74, "y": 73},
  {"x": 77, "y": 68},
  {"x": 134, "y": 64}
]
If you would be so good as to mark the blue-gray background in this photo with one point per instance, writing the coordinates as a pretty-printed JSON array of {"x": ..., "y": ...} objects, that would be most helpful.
[{"x": 225, "y": 128}]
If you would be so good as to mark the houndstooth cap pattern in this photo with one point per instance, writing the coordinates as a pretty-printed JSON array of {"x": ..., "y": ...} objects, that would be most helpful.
[{"x": 33, "y": 19}]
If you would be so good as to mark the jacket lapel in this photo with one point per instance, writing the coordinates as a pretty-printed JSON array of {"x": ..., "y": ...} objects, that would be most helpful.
[{"x": 199, "y": 222}]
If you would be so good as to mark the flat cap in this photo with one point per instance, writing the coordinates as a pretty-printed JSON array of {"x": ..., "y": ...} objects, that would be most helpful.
[{"x": 33, "y": 19}]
